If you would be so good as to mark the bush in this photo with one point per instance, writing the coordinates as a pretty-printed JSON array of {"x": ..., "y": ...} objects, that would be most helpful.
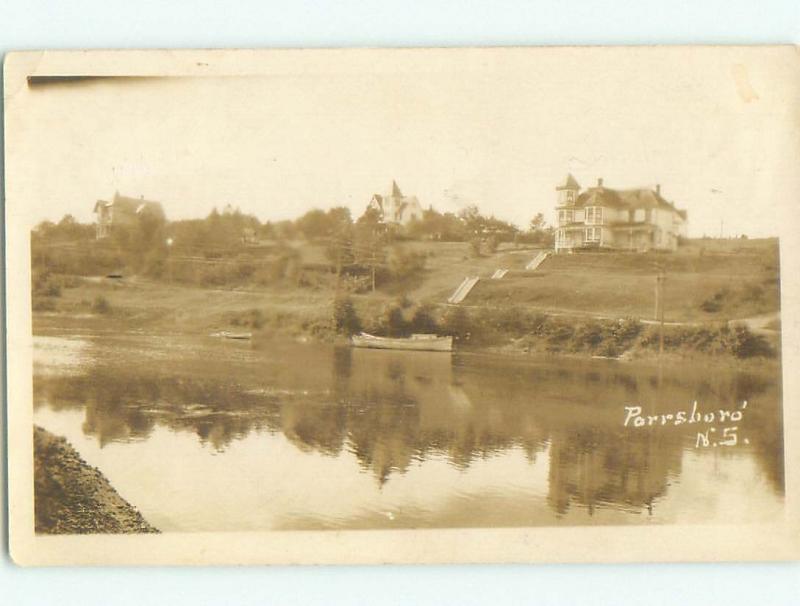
[
  {"x": 456, "y": 322},
  {"x": 423, "y": 320},
  {"x": 393, "y": 322},
  {"x": 101, "y": 305},
  {"x": 345, "y": 318},
  {"x": 475, "y": 247},
  {"x": 559, "y": 335},
  {"x": 589, "y": 335},
  {"x": 715, "y": 303},
  {"x": 746, "y": 344}
]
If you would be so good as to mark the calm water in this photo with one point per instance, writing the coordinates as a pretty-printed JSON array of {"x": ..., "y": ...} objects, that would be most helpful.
[{"x": 204, "y": 435}]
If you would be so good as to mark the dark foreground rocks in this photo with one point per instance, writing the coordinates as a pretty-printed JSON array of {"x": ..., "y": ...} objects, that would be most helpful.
[{"x": 71, "y": 497}]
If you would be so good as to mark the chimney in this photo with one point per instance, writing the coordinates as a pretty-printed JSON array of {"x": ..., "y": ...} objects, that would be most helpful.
[
  {"x": 599, "y": 181},
  {"x": 658, "y": 188}
]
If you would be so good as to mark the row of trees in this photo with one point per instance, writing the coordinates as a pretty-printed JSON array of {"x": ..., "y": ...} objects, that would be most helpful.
[{"x": 354, "y": 249}]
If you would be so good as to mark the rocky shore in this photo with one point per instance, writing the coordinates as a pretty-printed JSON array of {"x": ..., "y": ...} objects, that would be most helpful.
[{"x": 71, "y": 497}]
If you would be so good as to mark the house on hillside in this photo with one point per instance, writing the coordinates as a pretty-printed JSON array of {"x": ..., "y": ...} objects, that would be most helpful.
[
  {"x": 620, "y": 219},
  {"x": 396, "y": 208},
  {"x": 123, "y": 211}
]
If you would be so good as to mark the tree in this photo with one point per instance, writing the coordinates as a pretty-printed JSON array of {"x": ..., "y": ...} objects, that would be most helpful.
[
  {"x": 345, "y": 317},
  {"x": 394, "y": 322},
  {"x": 368, "y": 242},
  {"x": 538, "y": 222},
  {"x": 423, "y": 320}
]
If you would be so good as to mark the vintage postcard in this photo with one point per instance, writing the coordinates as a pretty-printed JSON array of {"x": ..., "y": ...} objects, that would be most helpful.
[{"x": 411, "y": 305}]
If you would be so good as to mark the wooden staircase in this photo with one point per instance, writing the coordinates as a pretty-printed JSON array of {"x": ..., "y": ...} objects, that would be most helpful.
[{"x": 463, "y": 290}]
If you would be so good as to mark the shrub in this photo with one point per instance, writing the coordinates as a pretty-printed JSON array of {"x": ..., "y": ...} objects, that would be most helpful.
[
  {"x": 628, "y": 329},
  {"x": 589, "y": 335},
  {"x": 559, "y": 335},
  {"x": 475, "y": 247},
  {"x": 393, "y": 322},
  {"x": 746, "y": 344},
  {"x": 345, "y": 318},
  {"x": 715, "y": 303},
  {"x": 101, "y": 305},
  {"x": 423, "y": 320},
  {"x": 492, "y": 243},
  {"x": 456, "y": 322}
]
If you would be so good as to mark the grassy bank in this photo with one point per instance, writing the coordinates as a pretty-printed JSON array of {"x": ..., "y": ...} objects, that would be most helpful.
[
  {"x": 595, "y": 304},
  {"x": 71, "y": 497}
]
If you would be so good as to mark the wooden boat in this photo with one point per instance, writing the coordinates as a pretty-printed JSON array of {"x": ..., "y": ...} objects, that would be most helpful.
[
  {"x": 232, "y": 335},
  {"x": 417, "y": 342}
]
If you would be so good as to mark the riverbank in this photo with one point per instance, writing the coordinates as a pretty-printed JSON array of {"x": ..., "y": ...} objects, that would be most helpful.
[
  {"x": 136, "y": 306},
  {"x": 72, "y": 497}
]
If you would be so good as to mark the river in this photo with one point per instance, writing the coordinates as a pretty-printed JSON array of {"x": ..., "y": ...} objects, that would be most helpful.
[{"x": 202, "y": 434}]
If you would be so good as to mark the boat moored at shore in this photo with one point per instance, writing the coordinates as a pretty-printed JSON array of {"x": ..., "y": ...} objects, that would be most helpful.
[{"x": 416, "y": 342}]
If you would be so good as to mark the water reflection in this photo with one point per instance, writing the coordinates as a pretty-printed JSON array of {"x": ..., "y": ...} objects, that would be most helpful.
[{"x": 394, "y": 411}]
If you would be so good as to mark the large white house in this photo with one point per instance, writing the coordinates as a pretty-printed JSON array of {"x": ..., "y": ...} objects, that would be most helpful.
[
  {"x": 623, "y": 219},
  {"x": 394, "y": 207}
]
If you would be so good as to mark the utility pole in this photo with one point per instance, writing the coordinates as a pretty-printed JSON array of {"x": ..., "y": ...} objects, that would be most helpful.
[
  {"x": 661, "y": 279},
  {"x": 374, "y": 256}
]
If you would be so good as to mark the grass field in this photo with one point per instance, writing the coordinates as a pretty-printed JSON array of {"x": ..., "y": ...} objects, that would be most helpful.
[{"x": 706, "y": 281}]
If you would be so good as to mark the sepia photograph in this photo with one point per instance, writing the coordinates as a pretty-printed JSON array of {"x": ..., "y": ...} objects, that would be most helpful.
[{"x": 402, "y": 305}]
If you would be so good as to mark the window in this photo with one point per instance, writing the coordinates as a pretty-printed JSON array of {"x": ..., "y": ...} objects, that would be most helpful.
[
  {"x": 565, "y": 216},
  {"x": 594, "y": 215},
  {"x": 593, "y": 234},
  {"x": 570, "y": 195}
]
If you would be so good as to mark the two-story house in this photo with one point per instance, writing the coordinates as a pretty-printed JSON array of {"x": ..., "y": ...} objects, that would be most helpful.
[
  {"x": 622, "y": 219},
  {"x": 122, "y": 211},
  {"x": 394, "y": 207}
]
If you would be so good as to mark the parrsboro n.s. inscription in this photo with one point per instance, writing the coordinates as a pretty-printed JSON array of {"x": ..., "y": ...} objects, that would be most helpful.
[{"x": 718, "y": 427}]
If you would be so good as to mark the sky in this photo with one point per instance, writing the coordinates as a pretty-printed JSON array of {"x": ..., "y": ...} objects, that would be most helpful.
[{"x": 715, "y": 127}]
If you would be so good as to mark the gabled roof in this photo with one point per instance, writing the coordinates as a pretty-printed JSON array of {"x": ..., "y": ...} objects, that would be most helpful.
[
  {"x": 378, "y": 200},
  {"x": 131, "y": 206},
  {"x": 569, "y": 183},
  {"x": 624, "y": 199}
]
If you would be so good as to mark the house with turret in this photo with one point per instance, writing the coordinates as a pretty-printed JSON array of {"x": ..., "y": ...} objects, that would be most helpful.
[{"x": 601, "y": 217}]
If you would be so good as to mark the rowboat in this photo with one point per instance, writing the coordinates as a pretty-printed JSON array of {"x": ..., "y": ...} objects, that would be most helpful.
[
  {"x": 416, "y": 342},
  {"x": 232, "y": 335}
]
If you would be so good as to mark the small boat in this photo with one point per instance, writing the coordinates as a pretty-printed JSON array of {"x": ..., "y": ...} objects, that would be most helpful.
[
  {"x": 416, "y": 342},
  {"x": 233, "y": 335}
]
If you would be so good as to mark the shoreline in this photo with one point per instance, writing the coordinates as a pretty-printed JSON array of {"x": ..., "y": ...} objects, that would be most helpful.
[
  {"x": 72, "y": 497},
  {"x": 512, "y": 349}
]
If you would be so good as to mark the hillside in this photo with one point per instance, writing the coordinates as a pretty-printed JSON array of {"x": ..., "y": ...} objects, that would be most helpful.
[{"x": 706, "y": 280}]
